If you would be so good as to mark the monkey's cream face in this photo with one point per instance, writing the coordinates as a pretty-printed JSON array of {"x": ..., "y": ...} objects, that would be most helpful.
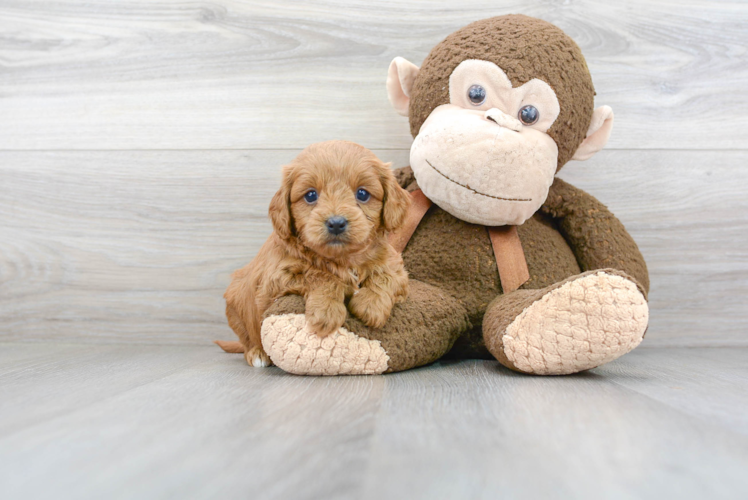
[{"x": 486, "y": 157}]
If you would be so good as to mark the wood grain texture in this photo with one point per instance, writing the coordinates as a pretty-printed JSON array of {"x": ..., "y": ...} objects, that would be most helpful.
[
  {"x": 175, "y": 422},
  {"x": 246, "y": 75},
  {"x": 138, "y": 246}
]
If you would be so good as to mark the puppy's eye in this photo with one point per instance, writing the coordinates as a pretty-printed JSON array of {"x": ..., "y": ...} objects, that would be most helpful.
[
  {"x": 477, "y": 95},
  {"x": 311, "y": 196},
  {"x": 362, "y": 195},
  {"x": 528, "y": 114}
]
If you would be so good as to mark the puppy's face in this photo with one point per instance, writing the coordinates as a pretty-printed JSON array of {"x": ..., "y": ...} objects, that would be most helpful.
[{"x": 336, "y": 196}]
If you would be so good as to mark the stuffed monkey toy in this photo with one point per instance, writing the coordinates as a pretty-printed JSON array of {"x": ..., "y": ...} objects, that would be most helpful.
[{"x": 505, "y": 260}]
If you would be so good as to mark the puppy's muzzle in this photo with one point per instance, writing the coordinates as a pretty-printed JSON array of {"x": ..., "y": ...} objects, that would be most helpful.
[{"x": 336, "y": 225}]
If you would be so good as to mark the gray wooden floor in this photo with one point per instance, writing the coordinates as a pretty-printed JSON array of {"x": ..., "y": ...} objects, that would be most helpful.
[
  {"x": 128, "y": 421},
  {"x": 140, "y": 143}
]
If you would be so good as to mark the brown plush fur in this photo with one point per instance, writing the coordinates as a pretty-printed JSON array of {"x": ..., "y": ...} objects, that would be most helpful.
[
  {"x": 303, "y": 257},
  {"x": 456, "y": 299},
  {"x": 525, "y": 48}
]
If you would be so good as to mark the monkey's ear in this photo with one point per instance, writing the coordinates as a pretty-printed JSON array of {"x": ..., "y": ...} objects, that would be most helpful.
[
  {"x": 280, "y": 206},
  {"x": 400, "y": 78},
  {"x": 597, "y": 135}
]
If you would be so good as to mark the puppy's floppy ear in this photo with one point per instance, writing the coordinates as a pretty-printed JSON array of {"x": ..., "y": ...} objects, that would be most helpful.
[
  {"x": 280, "y": 205},
  {"x": 396, "y": 200}
]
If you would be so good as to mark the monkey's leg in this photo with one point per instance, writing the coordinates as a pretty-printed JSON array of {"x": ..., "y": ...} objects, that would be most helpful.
[
  {"x": 580, "y": 323},
  {"x": 420, "y": 330}
]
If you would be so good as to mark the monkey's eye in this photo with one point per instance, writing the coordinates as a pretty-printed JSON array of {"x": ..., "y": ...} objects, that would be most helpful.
[
  {"x": 362, "y": 195},
  {"x": 310, "y": 196},
  {"x": 477, "y": 95},
  {"x": 528, "y": 114}
]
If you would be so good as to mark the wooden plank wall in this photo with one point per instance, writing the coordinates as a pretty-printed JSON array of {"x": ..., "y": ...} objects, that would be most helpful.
[{"x": 140, "y": 144}]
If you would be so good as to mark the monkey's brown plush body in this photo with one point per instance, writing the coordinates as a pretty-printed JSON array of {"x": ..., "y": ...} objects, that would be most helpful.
[{"x": 584, "y": 303}]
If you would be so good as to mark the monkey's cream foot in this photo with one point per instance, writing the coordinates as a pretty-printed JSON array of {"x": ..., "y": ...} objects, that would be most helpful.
[
  {"x": 584, "y": 322},
  {"x": 257, "y": 357},
  {"x": 294, "y": 348}
]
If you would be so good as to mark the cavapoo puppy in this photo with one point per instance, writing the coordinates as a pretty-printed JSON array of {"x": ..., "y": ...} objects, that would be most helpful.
[{"x": 330, "y": 216}]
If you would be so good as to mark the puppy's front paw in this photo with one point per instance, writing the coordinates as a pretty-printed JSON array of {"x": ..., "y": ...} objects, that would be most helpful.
[
  {"x": 371, "y": 307},
  {"x": 325, "y": 320},
  {"x": 257, "y": 357}
]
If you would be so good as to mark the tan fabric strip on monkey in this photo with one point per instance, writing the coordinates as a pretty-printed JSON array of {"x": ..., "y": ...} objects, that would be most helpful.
[
  {"x": 507, "y": 247},
  {"x": 510, "y": 257}
]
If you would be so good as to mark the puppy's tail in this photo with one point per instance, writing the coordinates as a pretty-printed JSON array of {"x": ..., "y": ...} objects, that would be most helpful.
[{"x": 230, "y": 346}]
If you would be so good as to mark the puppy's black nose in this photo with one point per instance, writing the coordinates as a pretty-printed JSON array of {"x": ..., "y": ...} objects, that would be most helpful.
[{"x": 336, "y": 224}]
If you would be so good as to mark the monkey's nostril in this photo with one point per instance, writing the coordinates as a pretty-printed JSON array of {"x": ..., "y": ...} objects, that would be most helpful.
[
  {"x": 492, "y": 119},
  {"x": 336, "y": 224}
]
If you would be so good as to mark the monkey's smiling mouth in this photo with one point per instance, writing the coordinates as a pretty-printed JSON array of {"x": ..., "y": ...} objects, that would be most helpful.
[{"x": 473, "y": 190}]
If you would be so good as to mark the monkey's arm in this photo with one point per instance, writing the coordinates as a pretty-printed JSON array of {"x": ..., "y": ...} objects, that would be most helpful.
[{"x": 597, "y": 238}]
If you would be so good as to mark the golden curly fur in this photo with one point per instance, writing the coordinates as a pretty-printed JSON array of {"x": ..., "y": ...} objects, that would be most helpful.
[{"x": 329, "y": 268}]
